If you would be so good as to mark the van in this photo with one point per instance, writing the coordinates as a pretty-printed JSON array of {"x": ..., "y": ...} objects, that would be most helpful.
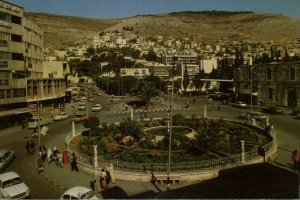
[{"x": 34, "y": 122}]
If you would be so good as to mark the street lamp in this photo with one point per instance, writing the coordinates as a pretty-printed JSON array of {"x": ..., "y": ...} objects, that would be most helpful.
[
  {"x": 170, "y": 127},
  {"x": 251, "y": 80}
]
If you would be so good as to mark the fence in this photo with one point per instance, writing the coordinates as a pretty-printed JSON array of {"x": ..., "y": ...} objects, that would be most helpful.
[{"x": 223, "y": 162}]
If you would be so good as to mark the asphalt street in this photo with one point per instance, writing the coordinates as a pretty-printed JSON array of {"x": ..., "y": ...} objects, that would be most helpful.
[{"x": 55, "y": 181}]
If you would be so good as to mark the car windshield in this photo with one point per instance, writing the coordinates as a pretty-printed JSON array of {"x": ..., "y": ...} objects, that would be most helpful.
[
  {"x": 32, "y": 120},
  {"x": 87, "y": 195},
  {"x": 11, "y": 182}
]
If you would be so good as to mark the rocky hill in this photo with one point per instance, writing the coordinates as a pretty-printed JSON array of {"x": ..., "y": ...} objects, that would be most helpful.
[{"x": 61, "y": 31}]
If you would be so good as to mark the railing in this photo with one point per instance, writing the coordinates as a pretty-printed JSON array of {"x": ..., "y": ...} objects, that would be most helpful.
[{"x": 193, "y": 166}]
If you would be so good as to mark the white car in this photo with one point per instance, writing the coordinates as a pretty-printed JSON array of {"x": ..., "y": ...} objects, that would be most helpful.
[
  {"x": 6, "y": 157},
  {"x": 61, "y": 116},
  {"x": 239, "y": 104},
  {"x": 79, "y": 192},
  {"x": 96, "y": 108},
  {"x": 12, "y": 186},
  {"x": 82, "y": 106}
]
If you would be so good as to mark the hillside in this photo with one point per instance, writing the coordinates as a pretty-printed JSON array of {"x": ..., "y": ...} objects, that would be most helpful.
[{"x": 60, "y": 31}]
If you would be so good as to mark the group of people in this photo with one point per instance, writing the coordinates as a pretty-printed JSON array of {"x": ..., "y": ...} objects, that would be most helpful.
[
  {"x": 105, "y": 179},
  {"x": 30, "y": 148}
]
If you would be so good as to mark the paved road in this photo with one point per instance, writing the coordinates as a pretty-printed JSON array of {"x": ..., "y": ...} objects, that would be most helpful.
[{"x": 56, "y": 180}]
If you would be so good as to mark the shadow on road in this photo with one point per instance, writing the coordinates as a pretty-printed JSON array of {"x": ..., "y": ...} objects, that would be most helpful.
[{"x": 254, "y": 181}]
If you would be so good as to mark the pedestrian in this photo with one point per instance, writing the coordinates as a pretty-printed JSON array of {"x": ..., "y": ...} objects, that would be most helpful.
[
  {"x": 44, "y": 153},
  {"x": 295, "y": 158},
  {"x": 39, "y": 163},
  {"x": 92, "y": 185},
  {"x": 219, "y": 106},
  {"x": 34, "y": 134},
  {"x": 49, "y": 155},
  {"x": 32, "y": 147},
  {"x": 187, "y": 104},
  {"x": 27, "y": 149},
  {"x": 126, "y": 107},
  {"x": 59, "y": 160},
  {"x": 74, "y": 163},
  {"x": 108, "y": 178},
  {"x": 103, "y": 179}
]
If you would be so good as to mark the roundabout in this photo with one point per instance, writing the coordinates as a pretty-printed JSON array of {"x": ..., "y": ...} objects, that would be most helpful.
[{"x": 201, "y": 147}]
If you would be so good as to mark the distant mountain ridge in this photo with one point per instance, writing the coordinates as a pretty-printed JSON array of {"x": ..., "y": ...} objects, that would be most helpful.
[{"x": 201, "y": 26}]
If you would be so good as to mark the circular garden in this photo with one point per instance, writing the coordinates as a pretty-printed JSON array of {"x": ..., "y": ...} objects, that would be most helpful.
[{"x": 193, "y": 139}]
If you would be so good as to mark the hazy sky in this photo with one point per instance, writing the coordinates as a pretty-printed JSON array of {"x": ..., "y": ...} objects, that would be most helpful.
[{"x": 127, "y": 8}]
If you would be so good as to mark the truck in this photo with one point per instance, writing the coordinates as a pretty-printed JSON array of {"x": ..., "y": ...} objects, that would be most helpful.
[{"x": 34, "y": 122}]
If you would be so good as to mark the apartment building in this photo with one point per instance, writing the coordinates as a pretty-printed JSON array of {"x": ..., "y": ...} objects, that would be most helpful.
[
  {"x": 136, "y": 72},
  {"x": 23, "y": 77}
]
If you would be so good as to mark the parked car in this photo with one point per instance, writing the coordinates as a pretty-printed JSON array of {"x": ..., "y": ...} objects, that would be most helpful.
[
  {"x": 12, "y": 186},
  {"x": 6, "y": 157},
  {"x": 258, "y": 115},
  {"x": 239, "y": 104},
  {"x": 82, "y": 106},
  {"x": 96, "y": 108},
  {"x": 273, "y": 110},
  {"x": 97, "y": 93},
  {"x": 79, "y": 192},
  {"x": 79, "y": 118},
  {"x": 93, "y": 131},
  {"x": 83, "y": 98},
  {"x": 34, "y": 122},
  {"x": 61, "y": 116}
]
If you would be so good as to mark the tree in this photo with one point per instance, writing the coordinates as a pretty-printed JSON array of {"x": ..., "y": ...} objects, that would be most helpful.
[
  {"x": 145, "y": 90},
  {"x": 155, "y": 80},
  {"x": 186, "y": 79},
  {"x": 74, "y": 64},
  {"x": 197, "y": 80},
  {"x": 151, "y": 56}
]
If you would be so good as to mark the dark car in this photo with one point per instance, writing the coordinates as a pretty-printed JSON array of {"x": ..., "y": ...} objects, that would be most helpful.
[
  {"x": 98, "y": 131},
  {"x": 272, "y": 110}
]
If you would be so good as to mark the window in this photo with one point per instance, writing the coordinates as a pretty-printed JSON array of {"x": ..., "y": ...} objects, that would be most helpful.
[
  {"x": 16, "y": 38},
  {"x": 270, "y": 93},
  {"x": 3, "y": 64},
  {"x": 4, "y": 16},
  {"x": 292, "y": 73},
  {"x": 17, "y": 56},
  {"x": 19, "y": 93},
  {"x": 143, "y": 71},
  {"x": 16, "y": 19},
  {"x": 8, "y": 94},
  {"x": 269, "y": 74},
  {"x": 2, "y": 96}
]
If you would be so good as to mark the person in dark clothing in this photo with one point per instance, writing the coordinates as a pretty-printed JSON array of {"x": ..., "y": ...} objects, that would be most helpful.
[
  {"x": 27, "y": 149},
  {"x": 74, "y": 163},
  {"x": 108, "y": 178},
  {"x": 32, "y": 147}
]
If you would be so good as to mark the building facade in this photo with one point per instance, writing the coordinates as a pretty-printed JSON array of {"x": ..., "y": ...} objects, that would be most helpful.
[
  {"x": 275, "y": 84},
  {"x": 23, "y": 76}
]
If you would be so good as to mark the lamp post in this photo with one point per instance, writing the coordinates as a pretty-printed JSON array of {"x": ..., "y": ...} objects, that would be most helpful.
[
  {"x": 251, "y": 85},
  {"x": 170, "y": 131}
]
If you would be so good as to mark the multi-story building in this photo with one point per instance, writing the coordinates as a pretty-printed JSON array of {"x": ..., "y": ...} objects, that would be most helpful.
[
  {"x": 136, "y": 72},
  {"x": 22, "y": 75},
  {"x": 179, "y": 58},
  {"x": 275, "y": 84}
]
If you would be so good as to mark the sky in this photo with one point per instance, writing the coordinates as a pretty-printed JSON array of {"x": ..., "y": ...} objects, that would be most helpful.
[{"x": 104, "y": 9}]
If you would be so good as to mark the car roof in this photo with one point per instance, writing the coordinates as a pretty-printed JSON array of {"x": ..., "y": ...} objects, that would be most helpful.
[
  {"x": 77, "y": 190},
  {"x": 8, "y": 175}
]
